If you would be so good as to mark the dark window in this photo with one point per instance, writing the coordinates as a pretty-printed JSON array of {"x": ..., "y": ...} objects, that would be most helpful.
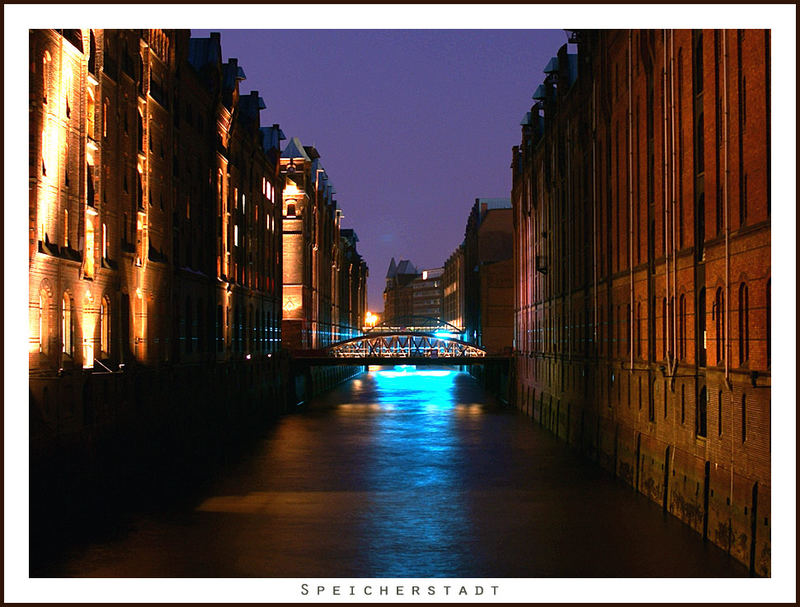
[
  {"x": 700, "y": 338},
  {"x": 744, "y": 324},
  {"x": 744, "y": 417},
  {"x": 700, "y": 412},
  {"x": 92, "y": 53},
  {"x": 718, "y": 314},
  {"x": 683, "y": 404}
]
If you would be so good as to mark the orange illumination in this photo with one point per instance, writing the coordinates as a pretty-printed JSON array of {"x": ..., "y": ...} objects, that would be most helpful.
[{"x": 89, "y": 256}]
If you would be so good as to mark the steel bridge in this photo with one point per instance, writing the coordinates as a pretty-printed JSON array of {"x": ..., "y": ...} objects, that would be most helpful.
[{"x": 413, "y": 340}]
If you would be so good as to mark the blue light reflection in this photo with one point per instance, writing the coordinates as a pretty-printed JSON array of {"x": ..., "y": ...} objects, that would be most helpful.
[{"x": 418, "y": 520}]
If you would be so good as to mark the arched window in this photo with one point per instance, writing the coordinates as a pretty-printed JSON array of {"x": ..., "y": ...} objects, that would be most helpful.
[
  {"x": 683, "y": 404},
  {"x": 140, "y": 131},
  {"x": 291, "y": 210},
  {"x": 45, "y": 75},
  {"x": 92, "y": 54},
  {"x": 139, "y": 190},
  {"x": 105, "y": 328},
  {"x": 682, "y": 323},
  {"x": 744, "y": 324},
  {"x": 700, "y": 413},
  {"x": 90, "y": 112},
  {"x": 744, "y": 417},
  {"x": 697, "y": 56},
  {"x": 67, "y": 91},
  {"x": 67, "y": 329},
  {"x": 639, "y": 329},
  {"x": 42, "y": 321},
  {"x": 719, "y": 316}
]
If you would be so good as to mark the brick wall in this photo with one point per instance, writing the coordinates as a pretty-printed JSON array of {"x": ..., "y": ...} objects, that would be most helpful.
[{"x": 635, "y": 257}]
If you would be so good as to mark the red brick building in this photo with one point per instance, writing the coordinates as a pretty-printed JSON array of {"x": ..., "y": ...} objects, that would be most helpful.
[
  {"x": 154, "y": 228},
  {"x": 642, "y": 248}
]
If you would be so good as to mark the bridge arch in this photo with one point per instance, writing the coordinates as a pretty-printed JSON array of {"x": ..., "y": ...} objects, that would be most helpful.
[{"x": 396, "y": 343}]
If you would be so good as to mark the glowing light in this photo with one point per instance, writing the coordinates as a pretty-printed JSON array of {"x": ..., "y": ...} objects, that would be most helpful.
[
  {"x": 425, "y": 275},
  {"x": 371, "y": 319},
  {"x": 139, "y": 292}
]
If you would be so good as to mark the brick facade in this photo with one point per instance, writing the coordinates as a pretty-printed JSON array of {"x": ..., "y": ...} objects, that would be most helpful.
[{"x": 625, "y": 226}]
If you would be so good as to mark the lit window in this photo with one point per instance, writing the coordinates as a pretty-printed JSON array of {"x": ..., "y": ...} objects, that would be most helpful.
[
  {"x": 235, "y": 235},
  {"x": 45, "y": 75},
  {"x": 66, "y": 324},
  {"x": 105, "y": 326}
]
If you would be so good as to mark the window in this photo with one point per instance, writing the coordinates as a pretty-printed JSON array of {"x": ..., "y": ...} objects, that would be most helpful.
[
  {"x": 45, "y": 75},
  {"x": 140, "y": 131},
  {"x": 744, "y": 324},
  {"x": 683, "y": 404},
  {"x": 66, "y": 325},
  {"x": 92, "y": 53},
  {"x": 290, "y": 210},
  {"x": 105, "y": 327},
  {"x": 42, "y": 304},
  {"x": 700, "y": 413},
  {"x": 67, "y": 91},
  {"x": 744, "y": 417},
  {"x": 66, "y": 228},
  {"x": 682, "y": 328},
  {"x": 697, "y": 56},
  {"x": 90, "y": 112},
  {"x": 719, "y": 316}
]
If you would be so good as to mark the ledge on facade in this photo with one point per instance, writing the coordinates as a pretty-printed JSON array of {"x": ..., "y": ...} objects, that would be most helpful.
[
  {"x": 71, "y": 254},
  {"x": 48, "y": 248},
  {"x": 156, "y": 255}
]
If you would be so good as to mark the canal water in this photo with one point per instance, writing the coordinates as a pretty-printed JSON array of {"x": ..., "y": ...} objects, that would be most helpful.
[{"x": 402, "y": 472}]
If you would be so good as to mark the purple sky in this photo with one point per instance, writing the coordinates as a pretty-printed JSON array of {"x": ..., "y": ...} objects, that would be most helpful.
[{"x": 412, "y": 125}]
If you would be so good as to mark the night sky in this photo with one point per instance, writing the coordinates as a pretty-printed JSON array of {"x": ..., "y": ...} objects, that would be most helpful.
[{"x": 412, "y": 125}]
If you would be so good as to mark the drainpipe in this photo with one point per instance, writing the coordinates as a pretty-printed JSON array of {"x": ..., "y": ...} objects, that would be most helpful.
[
  {"x": 725, "y": 204},
  {"x": 630, "y": 193},
  {"x": 664, "y": 170},
  {"x": 674, "y": 190}
]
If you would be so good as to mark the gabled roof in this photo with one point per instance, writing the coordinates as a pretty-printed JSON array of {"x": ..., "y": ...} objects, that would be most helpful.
[
  {"x": 392, "y": 272},
  {"x": 203, "y": 51},
  {"x": 294, "y": 149},
  {"x": 271, "y": 136},
  {"x": 406, "y": 267}
]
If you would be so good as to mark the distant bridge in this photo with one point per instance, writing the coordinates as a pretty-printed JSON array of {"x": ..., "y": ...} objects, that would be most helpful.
[{"x": 407, "y": 340}]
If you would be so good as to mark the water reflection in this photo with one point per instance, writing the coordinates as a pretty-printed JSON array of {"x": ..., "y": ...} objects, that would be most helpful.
[{"x": 417, "y": 515}]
